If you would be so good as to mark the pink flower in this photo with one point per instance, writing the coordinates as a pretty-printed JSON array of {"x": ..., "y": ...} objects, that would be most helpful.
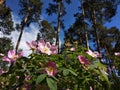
[
  {"x": 72, "y": 49},
  {"x": 117, "y": 53},
  {"x": 32, "y": 45},
  {"x": 1, "y": 71},
  {"x": 54, "y": 49},
  {"x": 12, "y": 56},
  {"x": 46, "y": 47},
  {"x": 94, "y": 54},
  {"x": 83, "y": 60},
  {"x": 51, "y": 69}
]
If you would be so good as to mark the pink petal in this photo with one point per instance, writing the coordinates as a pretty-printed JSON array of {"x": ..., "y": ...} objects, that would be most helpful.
[
  {"x": 20, "y": 54},
  {"x": 6, "y": 59},
  {"x": 91, "y": 88},
  {"x": 83, "y": 60},
  {"x": 11, "y": 53},
  {"x": 34, "y": 43},
  {"x": 54, "y": 49},
  {"x": 54, "y": 72},
  {"x": 41, "y": 42},
  {"x": 40, "y": 48},
  {"x": 89, "y": 52},
  {"x": 48, "y": 44},
  {"x": 41, "y": 45},
  {"x": 50, "y": 73},
  {"x": 51, "y": 64}
]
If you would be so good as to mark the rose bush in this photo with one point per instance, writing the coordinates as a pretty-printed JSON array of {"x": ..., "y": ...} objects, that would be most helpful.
[{"x": 45, "y": 69}]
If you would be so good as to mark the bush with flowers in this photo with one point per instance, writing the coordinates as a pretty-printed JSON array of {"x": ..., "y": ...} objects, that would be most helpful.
[{"x": 75, "y": 68}]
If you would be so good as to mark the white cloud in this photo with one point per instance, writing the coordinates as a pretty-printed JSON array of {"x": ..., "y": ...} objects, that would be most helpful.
[{"x": 27, "y": 36}]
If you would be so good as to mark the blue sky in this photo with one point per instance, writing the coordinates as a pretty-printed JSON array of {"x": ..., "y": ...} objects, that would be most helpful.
[
  {"x": 115, "y": 20},
  {"x": 68, "y": 20}
]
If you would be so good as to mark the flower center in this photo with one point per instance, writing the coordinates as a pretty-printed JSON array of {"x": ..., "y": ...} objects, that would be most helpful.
[
  {"x": 46, "y": 49},
  {"x": 14, "y": 57},
  {"x": 49, "y": 71}
]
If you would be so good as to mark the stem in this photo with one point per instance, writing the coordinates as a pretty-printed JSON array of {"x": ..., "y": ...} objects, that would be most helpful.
[{"x": 22, "y": 28}]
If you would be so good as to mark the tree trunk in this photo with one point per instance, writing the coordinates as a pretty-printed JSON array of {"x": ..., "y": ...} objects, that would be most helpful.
[
  {"x": 58, "y": 26},
  {"x": 108, "y": 57},
  {"x": 22, "y": 28},
  {"x": 95, "y": 28},
  {"x": 84, "y": 26}
]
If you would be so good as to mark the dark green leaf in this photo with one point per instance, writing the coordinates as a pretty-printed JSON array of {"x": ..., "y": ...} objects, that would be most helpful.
[
  {"x": 65, "y": 72},
  {"x": 40, "y": 78},
  {"x": 51, "y": 83},
  {"x": 72, "y": 72}
]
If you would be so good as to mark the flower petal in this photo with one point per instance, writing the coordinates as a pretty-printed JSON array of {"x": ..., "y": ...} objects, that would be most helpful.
[
  {"x": 54, "y": 49},
  {"x": 51, "y": 69},
  {"x": 83, "y": 60},
  {"x": 41, "y": 42},
  {"x": 11, "y": 53},
  {"x": 20, "y": 54},
  {"x": 89, "y": 52},
  {"x": 6, "y": 59}
]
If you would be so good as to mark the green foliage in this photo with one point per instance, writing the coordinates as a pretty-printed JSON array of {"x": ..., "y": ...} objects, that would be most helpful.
[
  {"x": 5, "y": 44},
  {"x": 35, "y": 10},
  {"x": 47, "y": 32},
  {"x": 51, "y": 83},
  {"x": 70, "y": 73},
  {"x": 6, "y": 23},
  {"x": 6, "y": 27},
  {"x": 40, "y": 78}
]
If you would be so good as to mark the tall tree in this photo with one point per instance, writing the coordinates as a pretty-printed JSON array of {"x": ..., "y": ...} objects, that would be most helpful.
[
  {"x": 58, "y": 8},
  {"x": 99, "y": 12},
  {"x": 30, "y": 10},
  {"x": 85, "y": 29},
  {"x": 46, "y": 31},
  {"x": 6, "y": 27}
]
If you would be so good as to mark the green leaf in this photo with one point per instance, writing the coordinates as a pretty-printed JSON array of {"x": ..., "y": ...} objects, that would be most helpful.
[
  {"x": 105, "y": 77},
  {"x": 72, "y": 72},
  {"x": 51, "y": 83},
  {"x": 40, "y": 78},
  {"x": 54, "y": 78},
  {"x": 65, "y": 72}
]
